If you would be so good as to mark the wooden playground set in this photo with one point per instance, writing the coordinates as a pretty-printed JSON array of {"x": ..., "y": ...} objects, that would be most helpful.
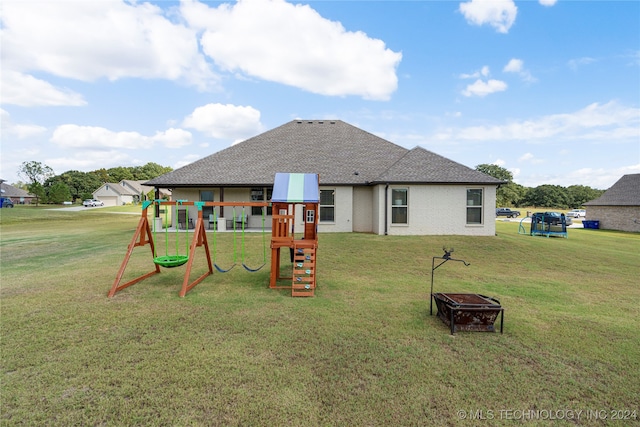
[{"x": 289, "y": 190}]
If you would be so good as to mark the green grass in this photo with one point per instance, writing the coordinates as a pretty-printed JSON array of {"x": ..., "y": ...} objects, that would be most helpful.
[{"x": 364, "y": 351}]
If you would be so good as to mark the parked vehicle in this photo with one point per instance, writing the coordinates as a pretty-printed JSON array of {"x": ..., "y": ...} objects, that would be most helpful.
[
  {"x": 6, "y": 202},
  {"x": 577, "y": 213},
  {"x": 507, "y": 212},
  {"x": 92, "y": 202},
  {"x": 555, "y": 218}
]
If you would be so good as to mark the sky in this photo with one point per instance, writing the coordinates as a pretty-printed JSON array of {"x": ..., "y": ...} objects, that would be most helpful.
[{"x": 548, "y": 89}]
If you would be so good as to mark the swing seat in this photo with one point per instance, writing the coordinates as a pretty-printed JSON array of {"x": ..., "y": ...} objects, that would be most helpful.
[
  {"x": 171, "y": 261},
  {"x": 222, "y": 270},
  {"x": 252, "y": 270}
]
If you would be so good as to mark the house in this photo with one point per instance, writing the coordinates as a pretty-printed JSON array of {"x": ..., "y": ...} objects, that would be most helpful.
[
  {"x": 17, "y": 195},
  {"x": 619, "y": 207},
  {"x": 367, "y": 184},
  {"x": 125, "y": 192}
]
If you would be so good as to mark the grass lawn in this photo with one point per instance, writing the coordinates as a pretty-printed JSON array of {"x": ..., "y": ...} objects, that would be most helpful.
[{"x": 363, "y": 352}]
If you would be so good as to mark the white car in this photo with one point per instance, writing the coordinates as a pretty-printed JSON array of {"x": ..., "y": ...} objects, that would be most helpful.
[
  {"x": 577, "y": 213},
  {"x": 92, "y": 202}
]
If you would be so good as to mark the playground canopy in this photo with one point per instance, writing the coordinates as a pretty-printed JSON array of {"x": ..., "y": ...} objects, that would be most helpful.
[{"x": 295, "y": 188}]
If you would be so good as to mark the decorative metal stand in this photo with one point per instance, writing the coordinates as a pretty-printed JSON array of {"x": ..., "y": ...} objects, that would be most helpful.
[{"x": 446, "y": 257}]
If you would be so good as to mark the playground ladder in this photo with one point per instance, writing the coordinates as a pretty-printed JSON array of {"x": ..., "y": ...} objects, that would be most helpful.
[{"x": 304, "y": 269}]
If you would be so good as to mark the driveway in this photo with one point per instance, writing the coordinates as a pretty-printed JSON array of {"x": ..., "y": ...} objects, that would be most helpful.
[{"x": 75, "y": 208}]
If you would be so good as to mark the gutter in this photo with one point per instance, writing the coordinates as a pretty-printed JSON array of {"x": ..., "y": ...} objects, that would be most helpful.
[{"x": 386, "y": 209}]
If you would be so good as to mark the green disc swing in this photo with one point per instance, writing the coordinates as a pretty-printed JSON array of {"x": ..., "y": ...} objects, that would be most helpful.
[
  {"x": 264, "y": 247},
  {"x": 170, "y": 261}
]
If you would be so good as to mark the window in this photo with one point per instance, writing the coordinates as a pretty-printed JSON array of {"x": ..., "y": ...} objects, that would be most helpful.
[
  {"x": 474, "y": 205},
  {"x": 206, "y": 196},
  {"x": 327, "y": 205},
  {"x": 258, "y": 195},
  {"x": 399, "y": 206}
]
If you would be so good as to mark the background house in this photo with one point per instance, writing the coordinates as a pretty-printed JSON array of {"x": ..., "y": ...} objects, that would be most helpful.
[
  {"x": 113, "y": 194},
  {"x": 125, "y": 192},
  {"x": 619, "y": 207},
  {"x": 17, "y": 195},
  {"x": 367, "y": 184}
]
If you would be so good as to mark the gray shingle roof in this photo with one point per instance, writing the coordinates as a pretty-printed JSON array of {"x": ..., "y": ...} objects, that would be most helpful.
[
  {"x": 13, "y": 192},
  {"x": 423, "y": 166},
  {"x": 340, "y": 153},
  {"x": 625, "y": 192}
]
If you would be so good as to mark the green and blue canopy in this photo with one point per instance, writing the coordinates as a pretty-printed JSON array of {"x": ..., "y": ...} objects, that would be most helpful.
[{"x": 296, "y": 188}]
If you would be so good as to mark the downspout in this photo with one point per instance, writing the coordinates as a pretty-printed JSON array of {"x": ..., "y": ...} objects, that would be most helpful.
[
  {"x": 386, "y": 209},
  {"x": 156, "y": 208}
]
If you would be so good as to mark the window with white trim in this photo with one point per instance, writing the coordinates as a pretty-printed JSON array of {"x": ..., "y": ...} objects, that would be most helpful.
[
  {"x": 327, "y": 205},
  {"x": 474, "y": 206},
  {"x": 399, "y": 206},
  {"x": 260, "y": 195}
]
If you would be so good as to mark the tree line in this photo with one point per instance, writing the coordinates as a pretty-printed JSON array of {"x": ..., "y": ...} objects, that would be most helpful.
[
  {"x": 546, "y": 195},
  {"x": 73, "y": 185}
]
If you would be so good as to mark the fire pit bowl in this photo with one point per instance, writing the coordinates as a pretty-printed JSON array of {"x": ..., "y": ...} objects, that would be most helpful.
[{"x": 469, "y": 312}]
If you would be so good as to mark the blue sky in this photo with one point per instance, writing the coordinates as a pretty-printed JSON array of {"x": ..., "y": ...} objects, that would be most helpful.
[{"x": 549, "y": 90}]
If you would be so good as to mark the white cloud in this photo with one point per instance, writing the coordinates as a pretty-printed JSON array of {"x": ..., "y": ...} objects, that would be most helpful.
[
  {"x": 27, "y": 91},
  {"x": 548, "y": 2},
  {"x": 173, "y": 138},
  {"x": 294, "y": 45},
  {"x": 482, "y": 88},
  {"x": 483, "y": 72},
  {"x": 530, "y": 158},
  {"x": 575, "y": 63},
  {"x": 500, "y": 14},
  {"x": 513, "y": 66},
  {"x": 600, "y": 178},
  {"x": 20, "y": 131},
  {"x": 225, "y": 121},
  {"x": 96, "y": 138},
  {"x": 88, "y": 160},
  {"x": 596, "y": 122},
  {"x": 89, "y": 40},
  {"x": 517, "y": 66}
]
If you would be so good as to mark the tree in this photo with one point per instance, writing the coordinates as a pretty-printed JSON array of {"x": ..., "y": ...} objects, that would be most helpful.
[
  {"x": 149, "y": 171},
  {"x": 550, "y": 196},
  {"x": 119, "y": 173},
  {"x": 508, "y": 194},
  {"x": 496, "y": 171},
  {"x": 36, "y": 173},
  {"x": 582, "y": 194},
  {"x": 58, "y": 193},
  {"x": 38, "y": 190}
]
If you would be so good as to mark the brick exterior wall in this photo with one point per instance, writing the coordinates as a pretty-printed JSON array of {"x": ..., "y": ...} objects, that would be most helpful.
[{"x": 623, "y": 218}]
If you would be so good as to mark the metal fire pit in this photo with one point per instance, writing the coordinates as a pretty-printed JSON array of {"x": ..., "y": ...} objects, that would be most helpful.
[
  {"x": 468, "y": 312},
  {"x": 464, "y": 312}
]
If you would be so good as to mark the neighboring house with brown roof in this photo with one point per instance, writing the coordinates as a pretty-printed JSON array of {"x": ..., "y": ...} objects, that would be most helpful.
[
  {"x": 619, "y": 207},
  {"x": 17, "y": 195},
  {"x": 367, "y": 184}
]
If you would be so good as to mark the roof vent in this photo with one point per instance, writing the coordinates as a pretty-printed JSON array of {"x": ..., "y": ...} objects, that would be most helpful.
[{"x": 332, "y": 122}]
